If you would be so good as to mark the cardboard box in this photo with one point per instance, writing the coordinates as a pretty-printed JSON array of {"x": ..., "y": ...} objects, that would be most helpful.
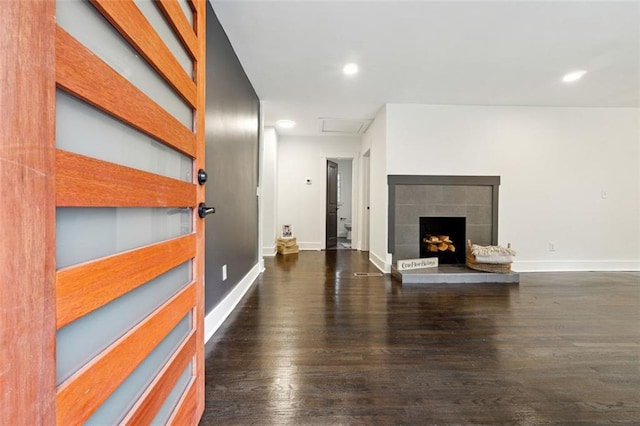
[
  {"x": 287, "y": 242},
  {"x": 288, "y": 250},
  {"x": 287, "y": 245}
]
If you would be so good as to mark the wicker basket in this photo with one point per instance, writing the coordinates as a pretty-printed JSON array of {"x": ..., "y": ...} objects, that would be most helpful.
[{"x": 502, "y": 268}]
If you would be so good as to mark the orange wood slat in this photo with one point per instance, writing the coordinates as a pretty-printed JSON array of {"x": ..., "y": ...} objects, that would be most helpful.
[
  {"x": 83, "y": 74},
  {"x": 80, "y": 395},
  {"x": 27, "y": 213},
  {"x": 178, "y": 21},
  {"x": 83, "y": 288},
  {"x": 186, "y": 411},
  {"x": 154, "y": 397},
  {"x": 125, "y": 16},
  {"x": 199, "y": 267},
  {"x": 86, "y": 182}
]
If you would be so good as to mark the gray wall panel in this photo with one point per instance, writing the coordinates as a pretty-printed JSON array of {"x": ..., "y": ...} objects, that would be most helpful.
[{"x": 232, "y": 127}]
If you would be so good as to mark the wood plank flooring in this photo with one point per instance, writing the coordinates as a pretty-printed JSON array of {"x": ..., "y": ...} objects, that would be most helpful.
[{"x": 312, "y": 344}]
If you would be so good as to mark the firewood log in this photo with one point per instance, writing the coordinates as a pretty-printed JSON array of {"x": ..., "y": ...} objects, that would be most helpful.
[
  {"x": 432, "y": 247},
  {"x": 442, "y": 246},
  {"x": 451, "y": 248}
]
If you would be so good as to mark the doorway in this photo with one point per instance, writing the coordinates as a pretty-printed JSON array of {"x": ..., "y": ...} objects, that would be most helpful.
[
  {"x": 364, "y": 232},
  {"x": 339, "y": 203},
  {"x": 332, "y": 205}
]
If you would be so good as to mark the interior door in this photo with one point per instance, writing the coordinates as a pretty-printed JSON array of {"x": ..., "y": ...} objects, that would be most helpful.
[
  {"x": 127, "y": 306},
  {"x": 332, "y": 204},
  {"x": 366, "y": 195}
]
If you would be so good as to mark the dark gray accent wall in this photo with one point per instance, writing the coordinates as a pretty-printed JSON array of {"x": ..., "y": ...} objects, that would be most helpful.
[{"x": 232, "y": 134}]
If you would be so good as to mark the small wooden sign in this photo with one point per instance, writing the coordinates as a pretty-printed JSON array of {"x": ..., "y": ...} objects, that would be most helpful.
[{"x": 427, "y": 262}]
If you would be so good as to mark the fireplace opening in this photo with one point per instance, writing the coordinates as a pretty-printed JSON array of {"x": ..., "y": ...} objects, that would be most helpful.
[{"x": 444, "y": 238}]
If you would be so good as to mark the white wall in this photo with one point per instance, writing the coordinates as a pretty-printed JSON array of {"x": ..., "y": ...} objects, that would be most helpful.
[
  {"x": 345, "y": 206},
  {"x": 302, "y": 205},
  {"x": 554, "y": 165},
  {"x": 375, "y": 141},
  {"x": 269, "y": 191}
]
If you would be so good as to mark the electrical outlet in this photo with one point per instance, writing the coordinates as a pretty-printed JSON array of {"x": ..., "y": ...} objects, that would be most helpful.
[
  {"x": 224, "y": 272},
  {"x": 552, "y": 246}
]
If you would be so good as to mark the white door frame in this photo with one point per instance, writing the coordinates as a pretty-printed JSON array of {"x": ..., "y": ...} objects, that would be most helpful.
[{"x": 363, "y": 229}]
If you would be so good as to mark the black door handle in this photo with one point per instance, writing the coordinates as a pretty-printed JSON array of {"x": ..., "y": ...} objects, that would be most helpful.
[
  {"x": 203, "y": 210},
  {"x": 202, "y": 176}
]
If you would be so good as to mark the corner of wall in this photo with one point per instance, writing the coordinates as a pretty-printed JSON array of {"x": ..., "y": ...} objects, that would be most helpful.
[
  {"x": 269, "y": 251},
  {"x": 384, "y": 265}
]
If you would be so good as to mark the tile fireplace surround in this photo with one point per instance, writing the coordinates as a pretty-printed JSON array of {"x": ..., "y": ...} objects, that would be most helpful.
[{"x": 412, "y": 197}]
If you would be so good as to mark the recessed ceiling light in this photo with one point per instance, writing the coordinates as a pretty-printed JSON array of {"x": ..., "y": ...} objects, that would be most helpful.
[
  {"x": 350, "y": 69},
  {"x": 285, "y": 124},
  {"x": 573, "y": 76}
]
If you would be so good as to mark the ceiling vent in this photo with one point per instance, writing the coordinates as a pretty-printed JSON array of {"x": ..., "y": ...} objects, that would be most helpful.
[{"x": 344, "y": 126}]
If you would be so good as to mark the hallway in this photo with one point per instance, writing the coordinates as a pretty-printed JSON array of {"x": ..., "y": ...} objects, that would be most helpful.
[{"x": 313, "y": 344}]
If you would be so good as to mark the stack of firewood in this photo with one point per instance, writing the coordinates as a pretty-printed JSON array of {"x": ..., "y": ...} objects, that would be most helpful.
[
  {"x": 287, "y": 246},
  {"x": 437, "y": 243}
]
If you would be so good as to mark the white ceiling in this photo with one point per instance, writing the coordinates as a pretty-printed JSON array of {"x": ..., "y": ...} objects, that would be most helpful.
[{"x": 448, "y": 52}]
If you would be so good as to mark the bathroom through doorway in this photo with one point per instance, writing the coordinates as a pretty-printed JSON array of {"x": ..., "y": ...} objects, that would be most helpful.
[{"x": 342, "y": 184}]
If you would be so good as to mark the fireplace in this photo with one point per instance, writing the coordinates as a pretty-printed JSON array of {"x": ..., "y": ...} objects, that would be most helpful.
[
  {"x": 444, "y": 238},
  {"x": 411, "y": 197}
]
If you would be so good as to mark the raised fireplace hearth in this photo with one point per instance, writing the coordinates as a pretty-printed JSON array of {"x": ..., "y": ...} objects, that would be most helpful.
[{"x": 412, "y": 197}]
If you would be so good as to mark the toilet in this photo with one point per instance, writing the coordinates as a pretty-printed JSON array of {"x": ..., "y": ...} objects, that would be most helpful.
[{"x": 347, "y": 226}]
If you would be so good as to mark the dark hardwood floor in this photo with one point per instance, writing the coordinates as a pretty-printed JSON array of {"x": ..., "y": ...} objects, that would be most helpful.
[{"x": 312, "y": 344}]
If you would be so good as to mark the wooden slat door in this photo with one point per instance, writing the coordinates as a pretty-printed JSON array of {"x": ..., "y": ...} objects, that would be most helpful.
[{"x": 58, "y": 298}]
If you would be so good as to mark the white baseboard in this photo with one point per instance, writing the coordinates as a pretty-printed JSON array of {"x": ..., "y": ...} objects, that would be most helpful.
[
  {"x": 380, "y": 263},
  {"x": 309, "y": 245},
  {"x": 574, "y": 265},
  {"x": 214, "y": 319},
  {"x": 269, "y": 251}
]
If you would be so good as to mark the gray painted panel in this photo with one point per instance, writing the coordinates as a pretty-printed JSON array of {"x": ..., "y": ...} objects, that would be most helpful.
[
  {"x": 80, "y": 341},
  {"x": 83, "y": 21},
  {"x": 232, "y": 127},
  {"x": 86, "y": 130},
  {"x": 113, "y": 410},
  {"x": 172, "y": 400},
  {"x": 151, "y": 11}
]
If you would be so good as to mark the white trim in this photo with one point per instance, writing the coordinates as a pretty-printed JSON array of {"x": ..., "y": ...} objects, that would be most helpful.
[
  {"x": 269, "y": 251},
  {"x": 323, "y": 204},
  {"x": 379, "y": 263},
  {"x": 216, "y": 317},
  {"x": 575, "y": 265},
  {"x": 310, "y": 245}
]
